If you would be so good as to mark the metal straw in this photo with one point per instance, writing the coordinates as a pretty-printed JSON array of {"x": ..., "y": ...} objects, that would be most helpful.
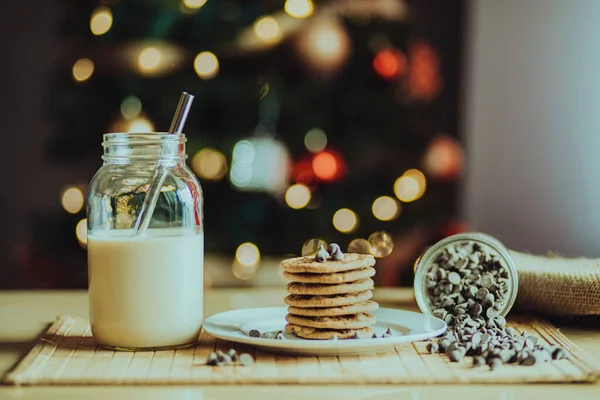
[{"x": 143, "y": 220}]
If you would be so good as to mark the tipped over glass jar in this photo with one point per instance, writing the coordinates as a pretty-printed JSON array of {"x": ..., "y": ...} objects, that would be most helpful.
[{"x": 469, "y": 273}]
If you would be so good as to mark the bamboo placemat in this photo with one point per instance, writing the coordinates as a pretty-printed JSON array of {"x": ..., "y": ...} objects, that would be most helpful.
[{"x": 67, "y": 355}]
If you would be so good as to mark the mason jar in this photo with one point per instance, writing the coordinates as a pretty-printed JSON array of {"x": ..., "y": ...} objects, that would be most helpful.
[
  {"x": 426, "y": 280},
  {"x": 145, "y": 287}
]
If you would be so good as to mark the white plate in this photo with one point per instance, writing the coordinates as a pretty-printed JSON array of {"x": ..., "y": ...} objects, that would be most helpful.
[{"x": 406, "y": 327}]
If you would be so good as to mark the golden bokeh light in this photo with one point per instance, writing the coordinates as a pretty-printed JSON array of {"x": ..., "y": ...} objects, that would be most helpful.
[
  {"x": 140, "y": 125},
  {"x": 297, "y": 196},
  {"x": 149, "y": 58},
  {"x": 315, "y": 140},
  {"x": 81, "y": 232},
  {"x": 419, "y": 177},
  {"x": 83, "y": 69},
  {"x": 247, "y": 254},
  {"x": 267, "y": 29},
  {"x": 386, "y": 208},
  {"x": 194, "y": 4},
  {"x": 360, "y": 246},
  {"x": 381, "y": 243},
  {"x": 407, "y": 189},
  {"x": 243, "y": 272},
  {"x": 345, "y": 220},
  {"x": 311, "y": 246},
  {"x": 299, "y": 8},
  {"x": 101, "y": 21},
  {"x": 206, "y": 65},
  {"x": 209, "y": 164},
  {"x": 72, "y": 200},
  {"x": 131, "y": 107}
]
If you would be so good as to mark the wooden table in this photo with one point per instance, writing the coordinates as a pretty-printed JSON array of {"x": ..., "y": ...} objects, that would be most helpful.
[{"x": 23, "y": 315}]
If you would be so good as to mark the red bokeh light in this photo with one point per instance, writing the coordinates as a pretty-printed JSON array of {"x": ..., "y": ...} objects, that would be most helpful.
[
  {"x": 390, "y": 63},
  {"x": 328, "y": 165},
  {"x": 424, "y": 80},
  {"x": 325, "y": 166}
]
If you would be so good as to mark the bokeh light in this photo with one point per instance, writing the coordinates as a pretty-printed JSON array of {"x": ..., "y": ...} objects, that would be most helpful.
[
  {"x": 139, "y": 125},
  {"x": 381, "y": 243},
  {"x": 267, "y": 29},
  {"x": 360, "y": 246},
  {"x": 241, "y": 166},
  {"x": 149, "y": 58},
  {"x": 311, "y": 246},
  {"x": 72, "y": 200},
  {"x": 407, "y": 189},
  {"x": 345, "y": 220},
  {"x": 315, "y": 140},
  {"x": 299, "y": 8},
  {"x": 81, "y": 232},
  {"x": 325, "y": 166},
  {"x": 194, "y": 4},
  {"x": 101, "y": 20},
  {"x": 444, "y": 158},
  {"x": 419, "y": 177},
  {"x": 297, "y": 196},
  {"x": 385, "y": 208},
  {"x": 325, "y": 46},
  {"x": 206, "y": 65},
  {"x": 83, "y": 69},
  {"x": 209, "y": 164},
  {"x": 131, "y": 107},
  {"x": 424, "y": 81},
  {"x": 243, "y": 272},
  {"x": 247, "y": 254},
  {"x": 390, "y": 63}
]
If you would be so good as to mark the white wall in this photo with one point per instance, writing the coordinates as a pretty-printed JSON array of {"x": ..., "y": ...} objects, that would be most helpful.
[{"x": 532, "y": 121}]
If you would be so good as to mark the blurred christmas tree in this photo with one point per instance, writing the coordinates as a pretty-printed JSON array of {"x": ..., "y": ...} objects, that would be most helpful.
[{"x": 311, "y": 121}]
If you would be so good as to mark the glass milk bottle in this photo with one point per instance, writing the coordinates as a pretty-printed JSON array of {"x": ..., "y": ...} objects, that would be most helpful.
[{"x": 145, "y": 289}]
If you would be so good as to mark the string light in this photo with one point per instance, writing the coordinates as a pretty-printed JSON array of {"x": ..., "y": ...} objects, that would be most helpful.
[
  {"x": 83, "y": 69},
  {"x": 206, "y": 65},
  {"x": 101, "y": 21},
  {"x": 385, "y": 208},
  {"x": 311, "y": 246},
  {"x": 72, "y": 200},
  {"x": 444, "y": 158},
  {"x": 149, "y": 58},
  {"x": 381, "y": 243},
  {"x": 325, "y": 166},
  {"x": 131, "y": 107},
  {"x": 345, "y": 220},
  {"x": 194, "y": 4},
  {"x": 81, "y": 232},
  {"x": 247, "y": 254},
  {"x": 297, "y": 196},
  {"x": 299, "y": 8},
  {"x": 267, "y": 29},
  {"x": 315, "y": 140}
]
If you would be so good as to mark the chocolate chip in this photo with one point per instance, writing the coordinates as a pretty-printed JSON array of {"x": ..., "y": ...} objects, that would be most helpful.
[
  {"x": 322, "y": 255},
  {"x": 478, "y": 361},
  {"x": 455, "y": 355},
  {"x": 495, "y": 363},
  {"x": 432, "y": 347},
  {"x": 255, "y": 333},
  {"x": 246, "y": 359},
  {"x": 280, "y": 336},
  {"x": 211, "y": 359},
  {"x": 560, "y": 354},
  {"x": 374, "y": 336},
  {"x": 529, "y": 360},
  {"x": 389, "y": 331},
  {"x": 333, "y": 337},
  {"x": 232, "y": 354},
  {"x": 454, "y": 278}
]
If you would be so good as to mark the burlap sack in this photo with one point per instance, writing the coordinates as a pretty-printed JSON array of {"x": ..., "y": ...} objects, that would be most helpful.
[{"x": 558, "y": 286}]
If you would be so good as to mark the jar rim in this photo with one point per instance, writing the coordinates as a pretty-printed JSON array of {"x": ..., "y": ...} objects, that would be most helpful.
[
  {"x": 428, "y": 256},
  {"x": 142, "y": 137}
]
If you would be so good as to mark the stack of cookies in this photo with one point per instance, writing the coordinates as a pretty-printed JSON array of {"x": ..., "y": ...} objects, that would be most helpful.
[{"x": 329, "y": 295}]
